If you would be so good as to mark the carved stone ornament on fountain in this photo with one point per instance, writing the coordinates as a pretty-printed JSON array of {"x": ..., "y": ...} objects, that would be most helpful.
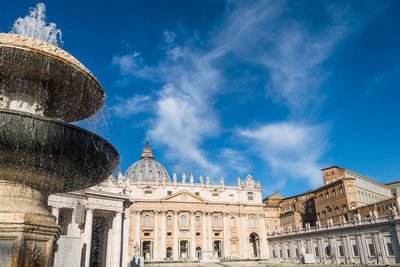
[{"x": 42, "y": 87}]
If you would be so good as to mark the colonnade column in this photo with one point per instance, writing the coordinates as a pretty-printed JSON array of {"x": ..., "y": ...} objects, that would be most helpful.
[
  {"x": 73, "y": 229},
  {"x": 192, "y": 238},
  {"x": 204, "y": 223},
  {"x": 155, "y": 248},
  {"x": 176, "y": 251},
  {"x": 125, "y": 241},
  {"x": 226, "y": 234},
  {"x": 163, "y": 248},
  {"x": 87, "y": 238},
  {"x": 137, "y": 234},
  {"x": 117, "y": 227},
  {"x": 56, "y": 213}
]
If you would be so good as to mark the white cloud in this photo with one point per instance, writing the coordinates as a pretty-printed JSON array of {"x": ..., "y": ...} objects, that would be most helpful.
[
  {"x": 291, "y": 149},
  {"x": 127, "y": 107},
  {"x": 182, "y": 124}
]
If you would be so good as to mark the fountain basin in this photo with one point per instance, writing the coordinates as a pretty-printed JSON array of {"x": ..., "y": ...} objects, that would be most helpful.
[
  {"x": 42, "y": 79},
  {"x": 51, "y": 155}
]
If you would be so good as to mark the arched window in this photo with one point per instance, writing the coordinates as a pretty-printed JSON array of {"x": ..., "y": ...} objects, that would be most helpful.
[
  {"x": 216, "y": 221},
  {"x": 341, "y": 190},
  {"x": 334, "y": 193},
  {"x": 318, "y": 216},
  {"x": 330, "y": 212},
  {"x": 169, "y": 221},
  {"x": 197, "y": 221},
  {"x": 146, "y": 220},
  {"x": 324, "y": 214},
  {"x": 252, "y": 223},
  {"x": 337, "y": 210},
  {"x": 183, "y": 221},
  {"x": 344, "y": 208}
]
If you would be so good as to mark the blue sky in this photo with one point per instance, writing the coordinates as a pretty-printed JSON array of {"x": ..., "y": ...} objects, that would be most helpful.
[{"x": 277, "y": 89}]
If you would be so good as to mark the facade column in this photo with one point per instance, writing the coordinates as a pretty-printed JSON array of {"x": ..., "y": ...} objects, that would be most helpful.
[
  {"x": 156, "y": 227},
  {"x": 210, "y": 232},
  {"x": 56, "y": 213},
  {"x": 362, "y": 249},
  {"x": 349, "y": 251},
  {"x": 244, "y": 237},
  {"x": 381, "y": 252},
  {"x": 204, "y": 224},
  {"x": 226, "y": 235},
  {"x": 240, "y": 232},
  {"x": 117, "y": 229},
  {"x": 192, "y": 237},
  {"x": 87, "y": 236},
  {"x": 264, "y": 251},
  {"x": 137, "y": 234},
  {"x": 125, "y": 241},
  {"x": 176, "y": 251},
  {"x": 163, "y": 225}
]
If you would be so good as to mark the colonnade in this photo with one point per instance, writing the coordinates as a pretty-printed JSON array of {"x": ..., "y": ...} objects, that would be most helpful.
[
  {"x": 117, "y": 239},
  {"x": 374, "y": 242}
]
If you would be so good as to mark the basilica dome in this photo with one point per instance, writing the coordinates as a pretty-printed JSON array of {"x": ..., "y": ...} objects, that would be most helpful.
[{"x": 147, "y": 169}]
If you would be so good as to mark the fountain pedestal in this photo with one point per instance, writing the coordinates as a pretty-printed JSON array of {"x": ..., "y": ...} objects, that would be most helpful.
[
  {"x": 41, "y": 89},
  {"x": 27, "y": 230}
]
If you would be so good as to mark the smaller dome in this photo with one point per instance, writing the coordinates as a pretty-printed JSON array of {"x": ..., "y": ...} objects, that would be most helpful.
[{"x": 147, "y": 168}]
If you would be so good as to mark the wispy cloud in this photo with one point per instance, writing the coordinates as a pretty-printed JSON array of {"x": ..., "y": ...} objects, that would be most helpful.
[
  {"x": 382, "y": 78},
  {"x": 127, "y": 107},
  {"x": 234, "y": 159},
  {"x": 169, "y": 37},
  {"x": 291, "y": 149}
]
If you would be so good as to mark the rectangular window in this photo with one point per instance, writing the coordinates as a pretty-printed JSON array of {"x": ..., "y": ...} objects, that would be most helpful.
[
  {"x": 316, "y": 252},
  {"x": 148, "y": 192},
  {"x": 169, "y": 233},
  {"x": 297, "y": 252},
  {"x": 273, "y": 254},
  {"x": 197, "y": 233},
  {"x": 389, "y": 245},
  {"x": 215, "y": 194},
  {"x": 169, "y": 193},
  {"x": 355, "y": 248},
  {"x": 371, "y": 247},
  {"x": 216, "y": 234},
  {"x": 341, "y": 252},
  {"x": 197, "y": 193},
  {"x": 250, "y": 196},
  {"x": 146, "y": 234},
  {"x": 288, "y": 253}
]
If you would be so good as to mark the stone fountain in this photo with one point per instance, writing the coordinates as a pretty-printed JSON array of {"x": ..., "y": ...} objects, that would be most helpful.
[{"x": 42, "y": 87}]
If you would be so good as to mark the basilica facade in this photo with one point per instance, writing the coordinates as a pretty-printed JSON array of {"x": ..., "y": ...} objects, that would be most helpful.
[{"x": 145, "y": 213}]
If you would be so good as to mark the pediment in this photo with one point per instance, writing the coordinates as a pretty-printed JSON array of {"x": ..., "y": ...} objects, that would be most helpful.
[{"x": 184, "y": 196}]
